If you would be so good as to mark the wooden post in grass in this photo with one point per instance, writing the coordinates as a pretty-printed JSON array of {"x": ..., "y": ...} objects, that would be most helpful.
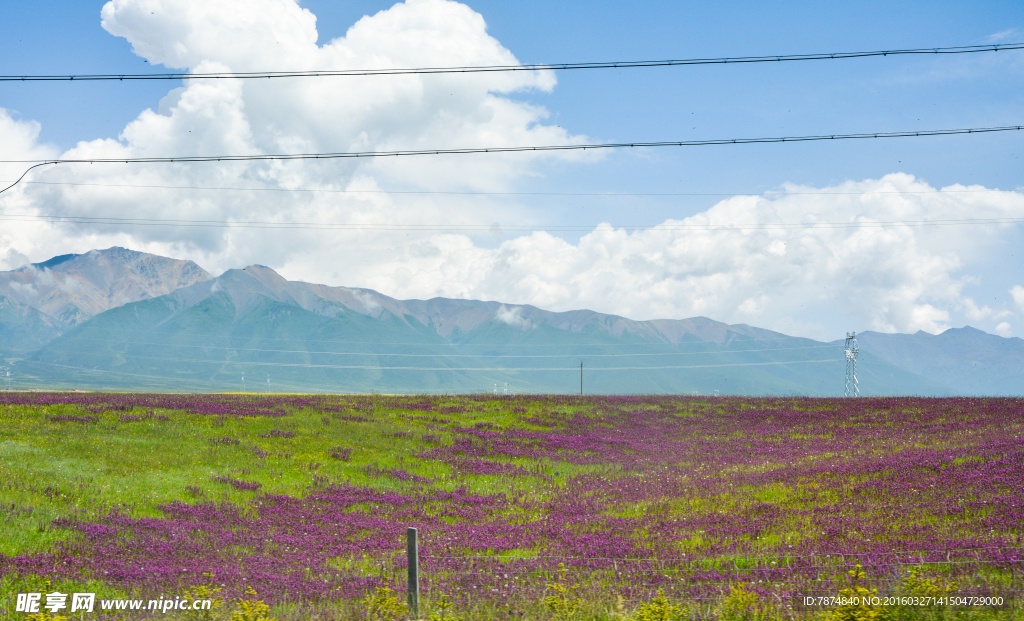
[{"x": 413, "y": 554}]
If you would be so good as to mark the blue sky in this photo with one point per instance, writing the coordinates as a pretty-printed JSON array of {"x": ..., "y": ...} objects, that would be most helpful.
[{"x": 879, "y": 94}]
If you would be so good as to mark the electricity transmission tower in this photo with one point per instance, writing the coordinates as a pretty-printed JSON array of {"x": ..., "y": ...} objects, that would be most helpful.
[{"x": 851, "y": 348}]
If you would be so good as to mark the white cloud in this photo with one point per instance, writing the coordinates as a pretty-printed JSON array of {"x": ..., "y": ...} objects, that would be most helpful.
[
  {"x": 369, "y": 303},
  {"x": 1009, "y": 34},
  {"x": 20, "y": 141},
  {"x": 343, "y": 113},
  {"x": 982, "y": 313},
  {"x": 1004, "y": 329},
  {"x": 512, "y": 316},
  {"x": 1018, "y": 298},
  {"x": 729, "y": 264},
  {"x": 11, "y": 258},
  {"x": 211, "y": 117}
]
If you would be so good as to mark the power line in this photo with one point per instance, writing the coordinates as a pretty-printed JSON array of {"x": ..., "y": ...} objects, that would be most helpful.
[
  {"x": 633, "y": 64},
  {"x": 173, "y": 381},
  {"x": 737, "y": 338},
  {"x": 407, "y": 368},
  {"x": 178, "y": 382},
  {"x": 442, "y": 355},
  {"x": 767, "y": 194},
  {"x": 479, "y": 150},
  {"x": 489, "y": 228}
]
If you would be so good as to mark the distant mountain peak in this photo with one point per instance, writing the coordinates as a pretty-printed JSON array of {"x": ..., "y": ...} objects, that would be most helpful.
[
  {"x": 55, "y": 261},
  {"x": 262, "y": 272},
  {"x": 75, "y": 287},
  {"x": 966, "y": 330},
  {"x": 114, "y": 253}
]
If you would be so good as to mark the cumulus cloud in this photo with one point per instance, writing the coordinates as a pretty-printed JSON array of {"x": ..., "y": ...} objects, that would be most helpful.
[
  {"x": 336, "y": 114},
  {"x": 1004, "y": 329},
  {"x": 794, "y": 261},
  {"x": 982, "y": 313},
  {"x": 369, "y": 303},
  {"x": 511, "y": 316},
  {"x": 21, "y": 140},
  {"x": 1018, "y": 298},
  {"x": 11, "y": 258},
  {"x": 210, "y": 117}
]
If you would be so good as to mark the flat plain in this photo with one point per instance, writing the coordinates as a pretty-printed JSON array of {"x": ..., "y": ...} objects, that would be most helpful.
[{"x": 528, "y": 507}]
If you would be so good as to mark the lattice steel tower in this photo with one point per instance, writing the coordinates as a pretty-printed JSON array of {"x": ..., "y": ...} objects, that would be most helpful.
[{"x": 852, "y": 387}]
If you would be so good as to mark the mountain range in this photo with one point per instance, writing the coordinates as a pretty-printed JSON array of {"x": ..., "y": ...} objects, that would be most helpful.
[{"x": 117, "y": 319}]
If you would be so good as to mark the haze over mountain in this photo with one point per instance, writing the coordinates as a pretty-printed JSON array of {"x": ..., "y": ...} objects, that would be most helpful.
[
  {"x": 253, "y": 323},
  {"x": 23, "y": 328}
]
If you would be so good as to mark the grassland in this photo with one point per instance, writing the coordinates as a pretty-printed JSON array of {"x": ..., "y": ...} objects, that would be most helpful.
[{"x": 528, "y": 507}]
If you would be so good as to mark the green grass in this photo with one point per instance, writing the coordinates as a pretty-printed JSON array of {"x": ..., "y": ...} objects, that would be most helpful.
[{"x": 51, "y": 470}]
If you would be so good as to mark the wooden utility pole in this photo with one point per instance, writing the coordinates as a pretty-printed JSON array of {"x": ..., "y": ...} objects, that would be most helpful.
[{"x": 581, "y": 378}]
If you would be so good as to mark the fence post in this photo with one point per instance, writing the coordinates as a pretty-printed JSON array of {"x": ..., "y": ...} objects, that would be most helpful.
[{"x": 412, "y": 552}]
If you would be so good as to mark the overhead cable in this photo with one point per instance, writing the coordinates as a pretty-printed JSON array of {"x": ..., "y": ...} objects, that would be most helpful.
[
  {"x": 480, "y": 150},
  {"x": 501, "y": 228},
  {"x": 735, "y": 338},
  {"x": 444, "y": 355},
  {"x": 767, "y": 193},
  {"x": 408, "y": 368},
  {"x": 632, "y": 64}
]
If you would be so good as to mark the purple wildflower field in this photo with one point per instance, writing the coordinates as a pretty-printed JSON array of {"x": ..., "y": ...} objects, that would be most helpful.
[{"x": 687, "y": 496}]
